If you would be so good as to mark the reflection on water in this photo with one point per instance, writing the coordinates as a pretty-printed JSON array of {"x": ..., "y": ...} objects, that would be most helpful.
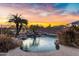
[{"x": 43, "y": 43}]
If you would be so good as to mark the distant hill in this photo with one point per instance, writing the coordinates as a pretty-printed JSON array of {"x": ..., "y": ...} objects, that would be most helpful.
[{"x": 75, "y": 23}]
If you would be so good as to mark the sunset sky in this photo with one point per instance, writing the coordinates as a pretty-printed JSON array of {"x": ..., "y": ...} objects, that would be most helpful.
[{"x": 42, "y": 14}]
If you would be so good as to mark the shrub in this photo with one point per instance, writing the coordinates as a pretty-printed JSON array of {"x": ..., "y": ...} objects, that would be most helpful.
[
  {"x": 65, "y": 38},
  {"x": 7, "y": 43}
]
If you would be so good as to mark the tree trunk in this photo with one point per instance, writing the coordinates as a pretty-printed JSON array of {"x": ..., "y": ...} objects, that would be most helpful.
[
  {"x": 17, "y": 29},
  {"x": 20, "y": 27}
]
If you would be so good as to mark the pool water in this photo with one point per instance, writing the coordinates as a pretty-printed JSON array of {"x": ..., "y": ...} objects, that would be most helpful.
[{"x": 44, "y": 43}]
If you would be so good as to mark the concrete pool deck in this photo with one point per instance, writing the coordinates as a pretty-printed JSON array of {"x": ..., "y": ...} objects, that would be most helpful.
[{"x": 64, "y": 51}]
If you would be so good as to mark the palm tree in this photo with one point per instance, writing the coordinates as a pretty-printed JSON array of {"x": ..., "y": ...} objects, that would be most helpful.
[{"x": 18, "y": 22}]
